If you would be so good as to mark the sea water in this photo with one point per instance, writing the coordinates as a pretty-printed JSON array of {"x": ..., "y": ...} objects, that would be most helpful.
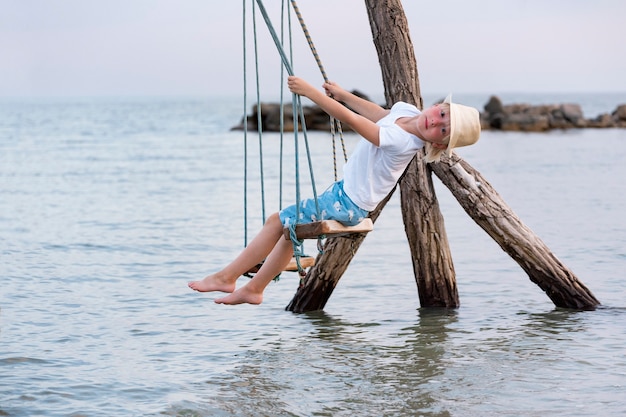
[{"x": 109, "y": 206}]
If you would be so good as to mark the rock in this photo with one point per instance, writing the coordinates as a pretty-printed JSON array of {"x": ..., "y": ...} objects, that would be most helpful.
[
  {"x": 526, "y": 122},
  {"x": 316, "y": 118},
  {"x": 572, "y": 113},
  {"x": 493, "y": 115},
  {"x": 515, "y": 117},
  {"x": 494, "y": 106},
  {"x": 620, "y": 113},
  {"x": 602, "y": 121},
  {"x": 529, "y": 118}
]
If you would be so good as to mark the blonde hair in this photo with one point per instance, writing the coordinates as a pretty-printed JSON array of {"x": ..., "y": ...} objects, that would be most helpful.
[{"x": 434, "y": 154}]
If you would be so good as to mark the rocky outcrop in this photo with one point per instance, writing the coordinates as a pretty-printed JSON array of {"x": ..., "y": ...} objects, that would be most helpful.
[
  {"x": 316, "y": 118},
  {"x": 539, "y": 118},
  {"x": 269, "y": 118},
  {"x": 495, "y": 116}
]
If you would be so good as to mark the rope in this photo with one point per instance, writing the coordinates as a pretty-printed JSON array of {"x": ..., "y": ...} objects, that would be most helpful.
[
  {"x": 245, "y": 133},
  {"x": 335, "y": 125},
  {"x": 258, "y": 115},
  {"x": 282, "y": 108},
  {"x": 298, "y": 113},
  {"x": 245, "y": 121},
  {"x": 279, "y": 47},
  {"x": 297, "y": 110},
  {"x": 307, "y": 35}
]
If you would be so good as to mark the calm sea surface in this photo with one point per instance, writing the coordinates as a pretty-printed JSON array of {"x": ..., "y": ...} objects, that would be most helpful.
[{"x": 108, "y": 207}]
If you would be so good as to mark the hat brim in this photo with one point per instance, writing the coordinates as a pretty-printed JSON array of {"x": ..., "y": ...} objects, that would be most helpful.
[
  {"x": 450, "y": 147},
  {"x": 464, "y": 125}
]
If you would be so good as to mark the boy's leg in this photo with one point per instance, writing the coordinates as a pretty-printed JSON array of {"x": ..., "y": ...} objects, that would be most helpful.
[
  {"x": 258, "y": 249},
  {"x": 252, "y": 292}
]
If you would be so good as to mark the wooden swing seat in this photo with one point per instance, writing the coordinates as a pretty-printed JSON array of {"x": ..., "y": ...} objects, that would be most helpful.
[
  {"x": 305, "y": 262},
  {"x": 329, "y": 228}
]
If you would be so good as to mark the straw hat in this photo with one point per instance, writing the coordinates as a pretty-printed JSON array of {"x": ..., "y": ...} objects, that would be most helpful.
[{"x": 464, "y": 125}]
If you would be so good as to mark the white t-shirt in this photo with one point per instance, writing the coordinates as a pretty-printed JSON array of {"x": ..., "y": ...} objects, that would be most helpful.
[{"x": 372, "y": 171}]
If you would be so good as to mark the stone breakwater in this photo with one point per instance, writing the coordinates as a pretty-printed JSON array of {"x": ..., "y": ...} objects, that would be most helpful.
[{"x": 495, "y": 116}]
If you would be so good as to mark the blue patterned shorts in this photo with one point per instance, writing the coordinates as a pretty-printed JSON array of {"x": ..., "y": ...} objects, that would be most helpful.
[{"x": 334, "y": 205}]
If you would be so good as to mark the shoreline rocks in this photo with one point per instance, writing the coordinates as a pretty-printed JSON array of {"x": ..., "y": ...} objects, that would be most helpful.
[
  {"x": 518, "y": 117},
  {"x": 544, "y": 117}
]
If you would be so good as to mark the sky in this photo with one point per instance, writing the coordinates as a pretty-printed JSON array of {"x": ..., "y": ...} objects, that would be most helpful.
[{"x": 195, "y": 47}]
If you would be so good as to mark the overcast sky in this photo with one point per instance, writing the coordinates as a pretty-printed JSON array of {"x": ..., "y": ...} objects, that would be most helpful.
[{"x": 194, "y": 47}]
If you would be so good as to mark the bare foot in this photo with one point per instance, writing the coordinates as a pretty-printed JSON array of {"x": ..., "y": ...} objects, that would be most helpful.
[
  {"x": 243, "y": 295},
  {"x": 215, "y": 282}
]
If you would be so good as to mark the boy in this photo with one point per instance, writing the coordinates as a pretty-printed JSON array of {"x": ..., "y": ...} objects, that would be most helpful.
[{"x": 390, "y": 140}]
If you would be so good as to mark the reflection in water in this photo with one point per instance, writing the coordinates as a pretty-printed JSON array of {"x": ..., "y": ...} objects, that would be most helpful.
[
  {"x": 495, "y": 364},
  {"x": 558, "y": 322},
  {"x": 415, "y": 369},
  {"x": 342, "y": 368}
]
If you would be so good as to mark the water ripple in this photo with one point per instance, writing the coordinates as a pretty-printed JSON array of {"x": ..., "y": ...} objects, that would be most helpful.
[{"x": 108, "y": 209}]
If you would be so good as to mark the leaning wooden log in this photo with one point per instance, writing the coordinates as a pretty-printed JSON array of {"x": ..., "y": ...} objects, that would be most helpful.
[{"x": 481, "y": 201}]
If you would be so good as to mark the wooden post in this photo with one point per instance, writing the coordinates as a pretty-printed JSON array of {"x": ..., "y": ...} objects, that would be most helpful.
[
  {"x": 428, "y": 241},
  {"x": 423, "y": 222},
  {"x": 432, "y": 262},
  {"x": 432, "y": 259}
]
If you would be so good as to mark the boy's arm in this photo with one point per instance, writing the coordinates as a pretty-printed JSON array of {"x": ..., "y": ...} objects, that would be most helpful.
[
  {"x": 362, "y": 125},
  {"x": 365, "y": 108}
]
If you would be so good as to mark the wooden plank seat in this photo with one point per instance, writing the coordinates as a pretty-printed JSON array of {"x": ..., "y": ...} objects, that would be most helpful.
[
  {"x": 328, "y": 228},
  {"x": 305, "y": 262}
]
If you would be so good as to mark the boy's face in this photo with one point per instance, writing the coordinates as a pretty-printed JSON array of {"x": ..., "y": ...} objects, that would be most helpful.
[{"x": 434, "y": 125}]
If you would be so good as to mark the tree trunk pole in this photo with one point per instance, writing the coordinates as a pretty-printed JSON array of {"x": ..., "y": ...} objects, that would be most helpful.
[
  {"x": 428, "y": 241},
  {"x": 432, "y": 261},
  {"x": 423, "y": 222},
  {"x": 390, "y": 32}
]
